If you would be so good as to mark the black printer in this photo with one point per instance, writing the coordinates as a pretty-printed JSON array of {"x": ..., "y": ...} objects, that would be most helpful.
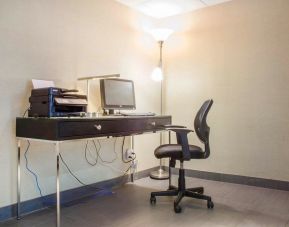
[{"x": 56, "y": 102}]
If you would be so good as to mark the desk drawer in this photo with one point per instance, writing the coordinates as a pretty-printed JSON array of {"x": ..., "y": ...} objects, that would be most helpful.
[
  {"x": 110, "y": 127},
  {"x": 57, "y": 129},
  {"x": 88, "y": 128}
]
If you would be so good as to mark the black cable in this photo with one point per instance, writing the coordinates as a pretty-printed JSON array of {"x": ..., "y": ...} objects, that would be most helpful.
[
  {"x": 124, "y": 175},
  {"x": 114, "y": 148},
  {"x": 98, "y": 153},
  {"x": 25, "y": 112},
  {"x": 75, "y": 177},
  {"x": 125, "y": 172},
  {"x": 30, "y": 170},
  {"x": 85, "y": 153},
  {"x": 98, "y": 156}
]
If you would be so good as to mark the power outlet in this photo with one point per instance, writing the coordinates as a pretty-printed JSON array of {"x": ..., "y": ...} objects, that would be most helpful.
[{"x": 129, "y": 154}]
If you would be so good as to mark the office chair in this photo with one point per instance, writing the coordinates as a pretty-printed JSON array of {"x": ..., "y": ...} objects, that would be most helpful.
[{"x": 182, "y": 151}]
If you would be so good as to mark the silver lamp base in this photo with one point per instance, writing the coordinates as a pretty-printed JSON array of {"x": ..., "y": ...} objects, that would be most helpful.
[{"x": 159, "y": 174}]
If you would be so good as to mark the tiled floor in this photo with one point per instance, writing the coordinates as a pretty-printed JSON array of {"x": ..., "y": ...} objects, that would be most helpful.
[{"x": 235, "y": 205}]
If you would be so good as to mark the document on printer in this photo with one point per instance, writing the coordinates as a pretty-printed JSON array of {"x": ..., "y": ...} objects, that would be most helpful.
[{"x": 42, "y": 83}]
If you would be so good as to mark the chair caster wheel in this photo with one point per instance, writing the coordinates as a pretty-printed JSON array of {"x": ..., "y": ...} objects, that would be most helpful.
[
  {"x": 210, "y": 204},
  {"x": 153, "y": 200},
  {"x": 177, "y": 209}
]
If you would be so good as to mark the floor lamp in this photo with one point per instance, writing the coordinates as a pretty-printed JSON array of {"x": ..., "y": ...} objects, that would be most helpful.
[{"x": 160, "y": 35}]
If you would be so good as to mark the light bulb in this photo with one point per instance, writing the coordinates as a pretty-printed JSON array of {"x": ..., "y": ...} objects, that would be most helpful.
[
  {"x": 157, "y": 74},
  {"x": 161, "y": 34}
]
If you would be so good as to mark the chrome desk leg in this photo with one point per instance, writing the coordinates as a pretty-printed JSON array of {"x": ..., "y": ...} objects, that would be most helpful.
[
  {"x": 57, "y": 186},
  {"x": 132, "y": 147},
  {"x": 18, "y": 179},
  {"x": 170, "y": 180}
]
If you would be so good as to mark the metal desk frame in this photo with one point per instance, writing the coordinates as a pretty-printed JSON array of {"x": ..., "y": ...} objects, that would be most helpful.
[{"x": 57, "y": 152}]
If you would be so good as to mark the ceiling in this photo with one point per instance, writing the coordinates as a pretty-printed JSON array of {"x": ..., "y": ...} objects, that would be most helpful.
[{"x": 165, "y": 8}]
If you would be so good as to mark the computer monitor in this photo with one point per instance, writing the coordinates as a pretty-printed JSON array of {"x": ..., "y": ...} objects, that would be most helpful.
[{"x": 117, "y": 94}]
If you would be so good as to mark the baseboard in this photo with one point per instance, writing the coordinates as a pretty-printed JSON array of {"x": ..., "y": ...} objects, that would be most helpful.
[
  {"x": 71, "y": 196},
  {"x": 237, "y": 179}
]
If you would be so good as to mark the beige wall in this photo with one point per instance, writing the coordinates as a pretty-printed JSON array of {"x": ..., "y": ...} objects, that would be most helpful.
[
  {"x": 63, "y": 40},
  {"x": 235, "y": 53},
  {"x": 238, "y": 54}
]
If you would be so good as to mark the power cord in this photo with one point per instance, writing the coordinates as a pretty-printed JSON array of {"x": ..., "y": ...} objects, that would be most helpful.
[
  {"x": 105, "y": 162},
  {"x": 36, "y": 177},
  {"x": 75, "y": 177},
  {"x": 124, "y": 173},
  {"x": 30, "y": 170},
  {"x": 97, "y": 151},
  {"x": 25, "y": 112},
  {"x": 85, "y": 154},
  {"x": 67, "y": 167},
  {"x": 131, "y": 159}
]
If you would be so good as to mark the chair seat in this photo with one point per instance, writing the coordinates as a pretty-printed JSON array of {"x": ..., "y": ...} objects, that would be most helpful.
[{"x": 174, "y": 151}]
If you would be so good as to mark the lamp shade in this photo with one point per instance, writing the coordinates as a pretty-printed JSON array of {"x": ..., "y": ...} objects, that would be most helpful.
[
  {"x": 161, "y": 34},
  {"x": 157, "y": 74}
]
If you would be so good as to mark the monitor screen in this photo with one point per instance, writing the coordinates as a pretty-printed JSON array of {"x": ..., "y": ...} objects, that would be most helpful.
[{"x": 117, "y": 94}]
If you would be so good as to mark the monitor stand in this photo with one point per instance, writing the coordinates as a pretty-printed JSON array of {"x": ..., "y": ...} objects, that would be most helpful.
[{"x": 111, "y": 112}]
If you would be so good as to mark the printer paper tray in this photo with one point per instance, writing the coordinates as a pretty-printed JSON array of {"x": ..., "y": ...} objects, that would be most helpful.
[{"x": 64, "y": 101}]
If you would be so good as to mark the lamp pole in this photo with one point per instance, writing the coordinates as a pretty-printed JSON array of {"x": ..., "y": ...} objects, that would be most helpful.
[
  {"x": 160, "y": 174},
  {"x": 161, "y": 67},
  {"x": 162, "y": 85}
]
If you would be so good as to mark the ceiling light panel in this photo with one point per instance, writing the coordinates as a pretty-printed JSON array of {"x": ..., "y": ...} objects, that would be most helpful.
[{"x": 165, "y": 8}]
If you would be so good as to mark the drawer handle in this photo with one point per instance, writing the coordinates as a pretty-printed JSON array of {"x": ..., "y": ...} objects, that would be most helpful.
[
  {"x": 153, "y": 124},
  {"x": 98, "y": 127}
]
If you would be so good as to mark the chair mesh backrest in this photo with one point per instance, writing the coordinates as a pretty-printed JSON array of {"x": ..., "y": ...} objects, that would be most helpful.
[{"x": 200, "y": 123}]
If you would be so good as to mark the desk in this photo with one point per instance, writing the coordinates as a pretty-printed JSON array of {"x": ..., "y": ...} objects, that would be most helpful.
[{"x": 58, "y": 130}]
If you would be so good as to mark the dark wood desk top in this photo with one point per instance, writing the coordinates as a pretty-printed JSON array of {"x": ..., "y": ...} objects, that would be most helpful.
[{"x": 58, "y": 129}]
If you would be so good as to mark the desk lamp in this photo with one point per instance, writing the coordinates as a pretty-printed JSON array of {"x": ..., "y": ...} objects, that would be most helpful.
[
  {"x": 88, "y": 79},
  {"x": 160, "y": 35}
]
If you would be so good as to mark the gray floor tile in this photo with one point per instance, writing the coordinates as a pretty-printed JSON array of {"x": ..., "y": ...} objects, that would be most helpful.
[{"x": 235, "y": 205}]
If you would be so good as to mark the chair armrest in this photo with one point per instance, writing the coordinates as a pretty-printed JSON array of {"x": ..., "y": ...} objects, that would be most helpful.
[
  {"x": 173, "y": 126},
  {"x": 180, "y": 130},
  {"x": 182, "y": 138}
]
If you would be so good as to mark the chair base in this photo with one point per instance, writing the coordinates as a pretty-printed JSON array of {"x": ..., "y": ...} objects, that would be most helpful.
[{"x": 182, "y": 192}]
